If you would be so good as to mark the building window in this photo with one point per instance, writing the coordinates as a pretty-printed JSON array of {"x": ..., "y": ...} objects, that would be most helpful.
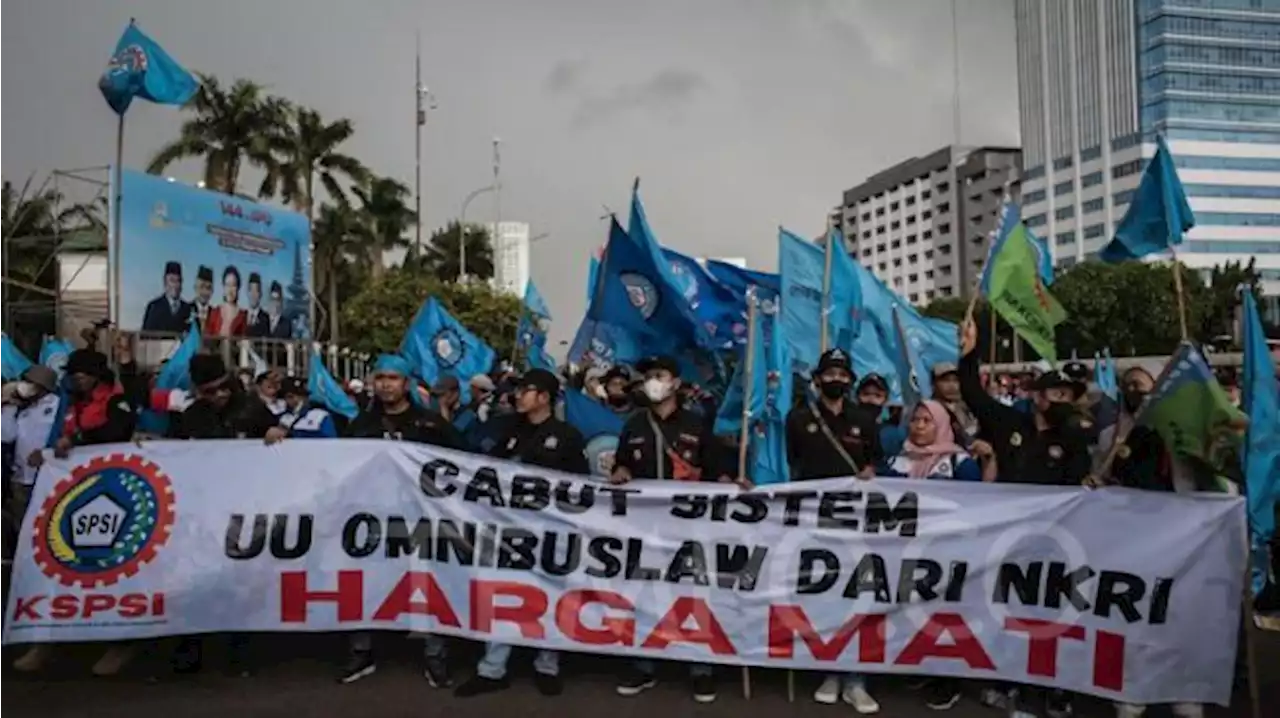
[
  {"x": 897, "y": 262},
  {"x": 944, "y": 228},
  {"x": 911, "y": 239},
  {"x": 1243, "y": 191},
  {"x": 911, "y": 200},
  {"x": 1238, "y": 219},
  {"x": 1091, "y": 153},
  {"x": 927, "y": 234},
  {"x": 895, "y": 244},
  {"x": 1062, "y": 188},
  {"x": 1063, "y": 163},
  {"x": 1122, "y": 198},
  {"x": 1232, "y": 247},
  {"x": 1093, "y": 205},
  {"x": 946, "y": 291},
  {"x": 944, "y": 208},
  {"x": 1064, "y": 238},
  {"x": 866, "y": 252},
  {"x": 1244, "y": 164},
  {"x": 911, "y": 219},
  {"x": 882, "y": 266},
  {"x": 928, "y": 274},
  {"x": 911, "y": 258},
  {"x": 1067, "y": 262},
  {"x": 897, "y": 281},
  {"x": 927, "y": 214},
  {"x": 866, "y": 234},
  {"x": 880, "y": 247},
  {"x": 880, "y": 229},
  {"x": 1121, "y": 143},
  {"x": 1033, "y": 197},
  {"x": 915, "y": 297},
  {"x": 913, "y": 278},
  {"x": 945, "y": 270},
  {"x": 1091, "y": 179},
  {"x": 1033, "y": 173},
  {"x": 929, "y": 295},
  {"x": 1094, "y": 231},
  {"x": 943, "y": 187},
  {"x": 924, "y": 196},
  {"x": 1034, "y": 220},
  {"x": 866, "y": 216},
  {"x": 895, "y": 225},
  {"x": 944, "y": 249},
  {"x": 928, "y": 254},
  {"x": 879, "y": 211},
  {"x": 1128, "y": 168},
  {"x": 893, "y": 206}
]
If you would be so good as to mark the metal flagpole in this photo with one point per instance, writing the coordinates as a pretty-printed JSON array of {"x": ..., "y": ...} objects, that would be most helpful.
[
  {"x": 496, "y": 239},
  {"x": 1178, "y": 291},
  {"x": 744, "y": 434},
  {"x": 826, "y": 290},
  {"x": 113, "y": 297},
  {"x": 421, "y": 119}
]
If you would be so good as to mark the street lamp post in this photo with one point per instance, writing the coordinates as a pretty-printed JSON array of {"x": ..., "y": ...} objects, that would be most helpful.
[{"x": 462, "y": 230}]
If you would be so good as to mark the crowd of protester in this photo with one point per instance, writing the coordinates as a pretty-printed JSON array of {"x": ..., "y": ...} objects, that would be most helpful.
[{"x": 1046, "y": 427}]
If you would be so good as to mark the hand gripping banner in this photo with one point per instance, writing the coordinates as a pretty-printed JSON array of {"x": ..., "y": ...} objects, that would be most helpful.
[{"x": 1122, "y": 594}]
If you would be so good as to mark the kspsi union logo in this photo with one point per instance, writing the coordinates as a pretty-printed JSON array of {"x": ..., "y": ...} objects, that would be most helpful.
[
  {"x": 129, "y": 60},
  {"x": 449, "y": 348},
  {"x": 103, "y": 522},
  {"x": 641, "y": 293},
  {"x": 601, "y": 451}
]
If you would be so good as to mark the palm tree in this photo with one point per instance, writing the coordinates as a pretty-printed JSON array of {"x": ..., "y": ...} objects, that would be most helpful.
[
  {"x": 230, "y": 126},
  {"x": 339, "y": 233},
  {"x": 442, "y": 252},
  {"x": 388, "y": 218},
  {"x": 302, "y": 147}
]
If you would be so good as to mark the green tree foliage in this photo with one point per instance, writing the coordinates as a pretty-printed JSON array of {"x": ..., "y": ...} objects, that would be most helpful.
[
  {"x": 951, "y": 309},
  {"x": 377, "y": 316},
  {"x": 303, "y": 147},
  {"x": 442, "y": 260},
  {"x": 387, "y": 218},
  {"x": 1223, "y": 297}
]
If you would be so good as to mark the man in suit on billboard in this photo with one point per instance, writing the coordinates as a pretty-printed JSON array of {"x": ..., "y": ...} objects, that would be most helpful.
[
  {"x": 167, "y": 312},
  {"x": 277, "y": 324},
  {"x": 204, "y": 293},
  {"x": 257, "y": 323}
]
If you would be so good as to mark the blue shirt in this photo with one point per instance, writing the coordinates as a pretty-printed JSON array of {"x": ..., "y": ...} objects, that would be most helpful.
[
  {"x": 958, "y": 467},
  {"x": 309, "y": 422}
]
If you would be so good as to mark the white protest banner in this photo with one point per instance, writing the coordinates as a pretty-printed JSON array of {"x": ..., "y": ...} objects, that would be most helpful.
[{"x": 1116, "y": 593}]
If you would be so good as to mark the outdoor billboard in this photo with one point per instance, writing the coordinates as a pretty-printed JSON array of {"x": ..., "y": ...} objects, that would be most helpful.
[{"x": 243, "y": 269}]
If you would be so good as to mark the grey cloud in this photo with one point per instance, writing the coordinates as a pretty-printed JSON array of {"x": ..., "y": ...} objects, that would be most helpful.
[{"x": 668, "y": 89}]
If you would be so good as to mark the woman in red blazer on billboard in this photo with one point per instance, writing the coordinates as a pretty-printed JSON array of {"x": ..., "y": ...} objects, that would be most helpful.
[{"x": 227, "y": 319}]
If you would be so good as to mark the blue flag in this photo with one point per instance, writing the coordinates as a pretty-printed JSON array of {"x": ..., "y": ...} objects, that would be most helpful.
[
  {"x": 933, "y": 341},
  {"x": 738, "y": 279},
  {"x": 721, "y": 311},
  {"x": 1157, "y": 216},
  {"x": 601, "y": 343},
  {"x": 1261, "y": 394},
  {"x": 599, "y": 426},
  {"x": 176, "y": 372},
  {"x": 15, "y": 362},
  {"x": 770, "y": 397},
  {"x": 1104, "y": 374},
  {"x": 802, "y": 265},
  {"x": 438, "y": 345},
  {"x": 534, "y": 302},
  {"x": 141, "y": 68},
  {"x": 325, "y": 390},
  {"x": 911, "y": 375},
  {"x": 54, "y": 353}
]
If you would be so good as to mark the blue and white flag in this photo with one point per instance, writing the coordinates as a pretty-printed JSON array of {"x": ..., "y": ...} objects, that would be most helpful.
[
  {"x": 599, "y": 425},
  {"x": 770, "y": 389},
  {"x": 737, "y": 279},
  {"x": 1261, "y": 394},
  {"x": 1158, "y": 215},
  {"x": 721, "y": 311},
  {"x": 15, "y": 362},
  {"x": 54, "y": 353},
  {"x": 534, "y": 302},
  {"x": 438, "y": 345},
  {"x": 326, "y": 391},
  {"x": 802, "y": 267},
  {"x": 139, "y": 67}
]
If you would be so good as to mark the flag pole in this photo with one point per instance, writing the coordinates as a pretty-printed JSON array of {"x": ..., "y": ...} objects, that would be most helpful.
[
  {"x": 826, "y": 290},
  {"x": 1178, "y": 291},
  {"x": 744, "y": 433},
  {"x": 114, "y": 306}
]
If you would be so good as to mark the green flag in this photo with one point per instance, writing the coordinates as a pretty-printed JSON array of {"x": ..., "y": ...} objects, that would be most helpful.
[{"x": 1017, "y": 292}]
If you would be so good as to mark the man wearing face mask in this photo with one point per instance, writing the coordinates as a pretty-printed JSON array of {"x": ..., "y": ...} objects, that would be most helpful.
[
  {"x": 667, "y": 441},
  {"x": 617, "y": 390},
  {"x": 30, "y": 426},
  {"x": 1043, "y": 446},
  {"x": 394, "y": 417},
  {"x": 532, "y": 436},
  {"x": 831, "y": 438},
  {"x": 1141, "y": 462}
]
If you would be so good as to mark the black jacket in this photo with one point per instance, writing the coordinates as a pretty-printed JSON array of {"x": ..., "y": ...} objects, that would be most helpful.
[
  {"x": 691, "y": 452},
  {"x": 811, "y": 454},
  {"x": 553, "y": 444},
  {"x": 416, "y": 424},
  {"x": 243, "y": 417}
]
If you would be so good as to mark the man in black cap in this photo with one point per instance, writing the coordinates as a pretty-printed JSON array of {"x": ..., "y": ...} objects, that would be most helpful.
[
  {"x": 831, "y": 438},
  {"x": 834, "y": 436},
  {"x": 1046, "y": 446},
  {"x": 618, "y": 390},
  {"x": 667, "y": 441},
  {"x": 204, "y": 293},
  {"x": 256, "y": 323},
  {"x": 167, "y": 312},
  {"x": 535, "y": 437},
  {"x": 392, "y": 415},
  {"x": 100, "y": 412},
  {"x": 222, "y": 408}
]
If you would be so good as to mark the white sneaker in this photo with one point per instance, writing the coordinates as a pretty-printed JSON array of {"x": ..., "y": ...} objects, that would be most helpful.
[
  {"x": 36, "y": 656},
  {"x": 1188, "y": 710},
  {"x": 829, "y": 692},
  {"x": 855, "y": 694},
  {"x": 1129, "y": 710}
]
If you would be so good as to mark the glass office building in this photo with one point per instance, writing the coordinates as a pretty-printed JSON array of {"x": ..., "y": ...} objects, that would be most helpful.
[{"x": 1098, "y": 79}]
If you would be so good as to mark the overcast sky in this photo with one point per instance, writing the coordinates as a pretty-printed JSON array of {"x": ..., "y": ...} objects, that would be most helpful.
[{"x": 738, "y": 115}]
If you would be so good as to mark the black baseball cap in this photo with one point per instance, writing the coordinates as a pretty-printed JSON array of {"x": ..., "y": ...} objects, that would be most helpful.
[
  {"x": 874, "y": 380},
  {"x": 658, "y": 363},
  {"x": 834, "y": 359},
  {"x": 293, "y": 386},
  {"x": 539, "y": 380},
  {"x": 617, "y": 371},
  {"x": 1057, "y": 380}
]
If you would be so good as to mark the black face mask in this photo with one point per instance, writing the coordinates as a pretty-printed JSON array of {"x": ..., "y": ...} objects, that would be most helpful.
[
  {"x": 1133, "y": 400},
  {"x": 618, "y": 400},
  {"x": 1058, "y": 413},
  {"x": 833, "y": 389}
]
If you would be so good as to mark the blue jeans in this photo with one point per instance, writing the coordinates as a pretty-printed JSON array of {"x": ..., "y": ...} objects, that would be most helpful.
[
  {"x": 494, "y": 663},
  {"x": 362, "y": 642},
  {"x": 696, "y": 670}
]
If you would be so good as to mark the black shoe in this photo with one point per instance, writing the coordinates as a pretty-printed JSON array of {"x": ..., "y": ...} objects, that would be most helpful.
[
  {"x": 942, "y": 694},
  {"x": 357, "y": 667},
  {"x": 704, "y": 689},
  {"x": 437, "y": 673},
  {"x": 634, "y": 682},
  {"x": 479, "y": 685},
  {"x": 547, "y": 684}
]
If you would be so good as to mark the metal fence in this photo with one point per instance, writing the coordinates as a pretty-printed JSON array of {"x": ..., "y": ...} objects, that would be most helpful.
[{"x": 293, "y": 357}]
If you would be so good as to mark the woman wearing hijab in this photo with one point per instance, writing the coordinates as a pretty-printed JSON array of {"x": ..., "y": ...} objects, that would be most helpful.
[{"x": 931, "y": 450}]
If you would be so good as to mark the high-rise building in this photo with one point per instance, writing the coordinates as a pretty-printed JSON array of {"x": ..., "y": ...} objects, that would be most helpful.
[
  {"x": 510, "y": 256},
  {"x": 1098, "y": 79},
  {"x": 923, "y": 226}
]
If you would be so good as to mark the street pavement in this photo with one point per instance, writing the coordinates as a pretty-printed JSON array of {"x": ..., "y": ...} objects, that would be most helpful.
[{"x": 296, "y": 680}]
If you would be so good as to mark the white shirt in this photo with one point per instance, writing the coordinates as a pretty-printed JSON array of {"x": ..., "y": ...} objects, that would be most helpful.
[{"x": 29, "y": 429}]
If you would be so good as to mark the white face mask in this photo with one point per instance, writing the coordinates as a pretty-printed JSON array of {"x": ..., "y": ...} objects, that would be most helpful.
[
  {"x": 657, "y": 390},
  {"x": 27, "y": 390}
]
